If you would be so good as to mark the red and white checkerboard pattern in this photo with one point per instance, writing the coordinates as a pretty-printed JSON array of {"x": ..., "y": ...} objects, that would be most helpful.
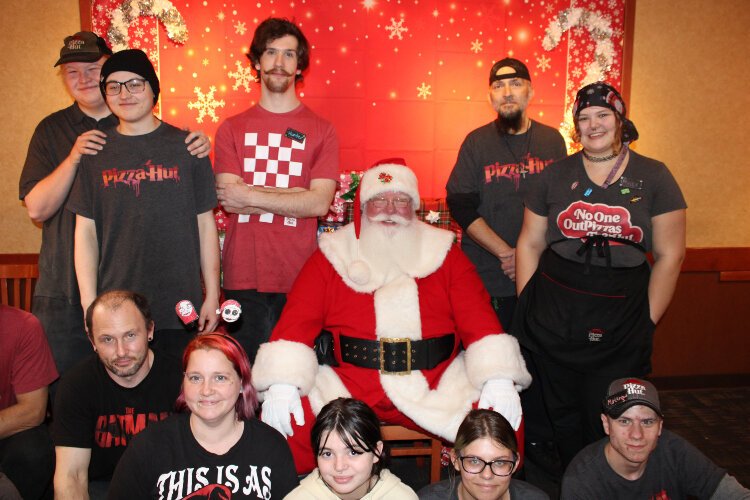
[{"x": 272, "y": 165}]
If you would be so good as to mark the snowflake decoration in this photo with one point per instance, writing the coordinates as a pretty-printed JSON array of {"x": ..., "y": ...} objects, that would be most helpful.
[
  {"x": 204, "y": 62},
  {"x": 433, "y": 217},
  {"x": 240, "y": 28},
  {"x": 614, "y": 73},
  {"x": 550, "y": 8},
  {"x": 139, "y": 32},
  {"x": 576, "y": 72},
  {"x": 476, "y": 46},
  {"x": 220, "y": 16},
  {"x": 424, "y": 91},
  {"x": 543, "y": 63},
  {"x": 396, "y": 29},
  {"x": 136, "y": 44},
  {"x": 243, "y": 76},
  {"x": 578, "y": 30},
  {"x": 368, "y": 4},
  {"x": 206, "y": 104}
]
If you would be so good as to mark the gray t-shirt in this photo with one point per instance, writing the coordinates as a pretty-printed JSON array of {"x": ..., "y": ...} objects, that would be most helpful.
[
  {"x": 144, "y": 193},
  {"x": 448, "y": 490},
  {"x": 499, "y": 168},
  {"x": 575, "y": 207},
  {"x": 675, "y": 469}
]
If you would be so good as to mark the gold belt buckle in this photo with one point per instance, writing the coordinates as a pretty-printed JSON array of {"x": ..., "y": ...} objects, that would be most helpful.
[{"x": 382, "y": 355}]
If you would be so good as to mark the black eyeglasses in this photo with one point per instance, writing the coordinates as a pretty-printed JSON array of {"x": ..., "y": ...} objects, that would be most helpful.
[
  {"x": 134, "y": 86},
  {"x": 475, "y": 465}
]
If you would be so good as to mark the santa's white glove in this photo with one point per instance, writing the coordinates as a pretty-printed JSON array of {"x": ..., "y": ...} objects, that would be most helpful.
[
  {"x": 500, "y": 394},
  {"x": 281, "y": 401}
]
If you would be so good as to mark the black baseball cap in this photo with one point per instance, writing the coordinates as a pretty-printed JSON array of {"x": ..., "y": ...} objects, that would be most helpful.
[
  {"x": 626, "y": 392},
  {"x": 513, "y": 69},
  {"x": 84, "y": 46}
]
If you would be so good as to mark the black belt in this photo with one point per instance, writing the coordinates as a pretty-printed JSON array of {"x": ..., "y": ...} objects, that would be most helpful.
[{"x": 397, "y": 356}]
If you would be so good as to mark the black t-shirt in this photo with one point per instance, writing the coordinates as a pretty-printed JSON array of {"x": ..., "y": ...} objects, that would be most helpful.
[
  {"x": 50, "y": 145},
  {"x": 166, "y": 461},
  {"x": 675, "y": 469},
  {"x": 500, "y": 169},
  {"x": 144, "y": 194},
  {"x": 93, "y": 411}
]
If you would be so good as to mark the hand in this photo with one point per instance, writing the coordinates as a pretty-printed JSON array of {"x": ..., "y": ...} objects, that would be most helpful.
[
  {"x": 209, "y": 318},
  {"x": 88, "y": 143},
  {"x": 501, "y": 395},
  {"x": 508, "y": 263},
  {"x": 198, "y": 144},
  {"x": 235, "y": 196},
  {"x": 282, "y": 400}
]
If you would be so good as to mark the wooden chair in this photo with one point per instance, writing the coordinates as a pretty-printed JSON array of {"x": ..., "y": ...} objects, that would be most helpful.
[
  {"x": 414, "y": 444},
  {"x": 17, "y": 283}
]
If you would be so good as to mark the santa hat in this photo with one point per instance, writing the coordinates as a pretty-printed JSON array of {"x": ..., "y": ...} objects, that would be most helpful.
[{"x": 385, "y": 176}]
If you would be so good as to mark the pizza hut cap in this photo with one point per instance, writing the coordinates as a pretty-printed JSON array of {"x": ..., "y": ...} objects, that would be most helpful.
[
  {"x": 626, "y": 392},
  {"x": 84, "y": 46}
]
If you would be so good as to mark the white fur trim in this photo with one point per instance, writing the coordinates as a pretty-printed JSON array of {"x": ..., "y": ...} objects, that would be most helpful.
[
  {"x": 340, "y": 248},
  {"x": 402, "y": 179},
  {"x": 328, "y": 386},
  {"x": 439, "y": 411},
  {"x": 285, "y": 362},
  {"x": 496, "y": 356},
  {"x": 397, "y": 310}
]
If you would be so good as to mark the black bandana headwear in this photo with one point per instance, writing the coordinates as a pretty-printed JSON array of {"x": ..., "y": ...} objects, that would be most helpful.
[{"x": 605, "y": 95}]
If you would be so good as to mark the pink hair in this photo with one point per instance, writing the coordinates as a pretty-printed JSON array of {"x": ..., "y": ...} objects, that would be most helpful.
[{"x": 227, "y": 345}]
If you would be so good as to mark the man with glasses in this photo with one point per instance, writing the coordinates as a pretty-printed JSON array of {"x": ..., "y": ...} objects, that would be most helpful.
[
  {"x": 111, "y": 396},
  {"x": 276, "y": 165},
  {"x": 640, "y": 459},
  {"x": 397, "y": 303},
  {"x": 144, "y": 209},
  {"x": 55, "y": 151}
]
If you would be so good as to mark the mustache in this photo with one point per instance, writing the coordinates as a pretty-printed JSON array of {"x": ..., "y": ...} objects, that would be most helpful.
[
  {"x": 398, "y": 219},
  {"x": 279, "y": 71}
]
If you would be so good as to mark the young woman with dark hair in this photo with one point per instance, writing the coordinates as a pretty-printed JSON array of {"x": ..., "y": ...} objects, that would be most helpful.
[
  {"x": 485, "y": 455},
  {"x": 350, "y": 456}
]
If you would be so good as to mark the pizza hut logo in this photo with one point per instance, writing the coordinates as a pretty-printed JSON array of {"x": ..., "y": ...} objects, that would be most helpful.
[{"x": 596, "y": 335}]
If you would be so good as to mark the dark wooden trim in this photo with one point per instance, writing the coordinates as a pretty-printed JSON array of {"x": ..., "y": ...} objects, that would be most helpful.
[
  {"x": 84, "y": 10},
  {"x": 19, "y": 258},
  {"x": 627, "y": 49},
  {"x": 718, "y": 259},
  {"x": 701, "y": 381}
]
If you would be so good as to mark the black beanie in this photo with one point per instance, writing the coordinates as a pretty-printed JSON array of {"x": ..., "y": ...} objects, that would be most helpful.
[{"x": 132, "y": 60}]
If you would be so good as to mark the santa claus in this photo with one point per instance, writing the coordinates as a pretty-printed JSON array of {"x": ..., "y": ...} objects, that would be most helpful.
[{"x": 406, "y": 324}]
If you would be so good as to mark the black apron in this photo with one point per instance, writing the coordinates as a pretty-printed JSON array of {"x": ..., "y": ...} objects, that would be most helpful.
[{"x": 590, "y": 318}]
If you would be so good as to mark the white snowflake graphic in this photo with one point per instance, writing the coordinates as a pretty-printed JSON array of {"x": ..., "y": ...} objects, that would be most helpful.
[
  {"x": 139, "y": 32},
  {"x": 476, "y": 46},
  {"x": 204, "y": 62},
  {"x": 578, "y": 30},
  {"x": 543, "y": 63},
  {"x": 154, "y": 56},
  {"x": 243, "y": 76},
  {"x": 206, "y": 104},
  {"x": 424, "y": 91},
  {"x": 550, "y": 8},
  {"x": 614, "y": 73},
  {"x": 220, "y": 16},
  {"x": 240, "y": 28},
  {"x": 576, "y": 72},
  {"x": 396, "y": 29},
  {"x": 135, "y": 43}
]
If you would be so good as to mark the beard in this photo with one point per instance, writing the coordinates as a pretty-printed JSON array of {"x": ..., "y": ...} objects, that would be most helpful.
[
  {"x": 512, "y": 121},
  {"x": 388, "y": 248},
  {"x": 276, "y": 84},
  {"x": 128, "y": 371}
]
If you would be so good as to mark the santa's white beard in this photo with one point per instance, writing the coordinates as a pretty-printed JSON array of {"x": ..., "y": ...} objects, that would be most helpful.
[{"x": 388, "y": 248}]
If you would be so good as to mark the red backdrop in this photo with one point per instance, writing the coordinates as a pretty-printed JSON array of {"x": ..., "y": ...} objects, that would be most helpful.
[{"x": 395, "y": 77}]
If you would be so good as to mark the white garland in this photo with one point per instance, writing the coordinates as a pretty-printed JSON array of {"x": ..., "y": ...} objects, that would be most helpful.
[
  {"x": 600, "y": 30},
  {"x": 129, "y": 10}
]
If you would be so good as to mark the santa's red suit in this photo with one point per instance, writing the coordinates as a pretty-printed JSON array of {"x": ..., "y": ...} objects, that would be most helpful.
[{"x": 434, "y": 292}]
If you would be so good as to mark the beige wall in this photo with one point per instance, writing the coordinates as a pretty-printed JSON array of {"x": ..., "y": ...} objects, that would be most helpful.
[
  {"x": 688, "y": 99},
  {"x": 32, "y": 34}
]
